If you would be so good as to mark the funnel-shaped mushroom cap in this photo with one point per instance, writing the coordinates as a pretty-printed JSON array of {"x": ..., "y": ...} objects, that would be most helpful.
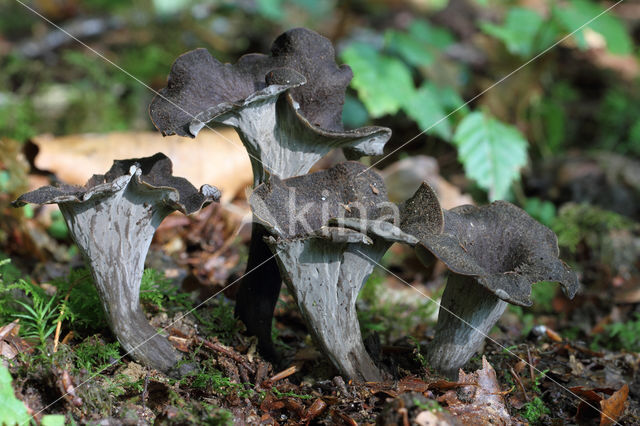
[
  {"x": 419, "y": 216},
  {"x": 326, "y": 266},
  {"x": 112, "y": 219},
  {"x": 502, "y": 247},
  {"x": 286, "y": 140},
  {"x": 153, "y": 174},
  {"x": 300, "y": 206}
]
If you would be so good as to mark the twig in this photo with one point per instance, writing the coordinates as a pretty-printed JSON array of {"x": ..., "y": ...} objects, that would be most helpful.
[
  {"x": 227, "y": 352},
  {"x": 516, "y": 377},
  {"x": 282, "y": 375},
  {"x": 68, "y": 337},
  {"x": 56, "y": 338},
  {"x": 531, "y": 373},
  {"x": 227, "y": 243}
]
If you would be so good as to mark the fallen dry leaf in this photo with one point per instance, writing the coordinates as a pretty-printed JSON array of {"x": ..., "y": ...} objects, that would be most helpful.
[
  {"x": 217, "y": 159},
  {"x": 7, "y": 351},
  {"x": 405, "y": 176},
  {"x": 610, "y": 408},
  {"x": 9, "y": 329},
  {"x": 486, "y": 404},
  {"x": 613, "y": 407},
  {"x": 412, "y": 384}
]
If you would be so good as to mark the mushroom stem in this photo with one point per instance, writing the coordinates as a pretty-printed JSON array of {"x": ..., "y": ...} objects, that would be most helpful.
[
  {"x": 456, "y": 341},
  {"x": 326, "y": 294},
  {"x": 135, "y": 334},
  {"x": 115, "y": 254},
  {"x": 258, "y": 293}
]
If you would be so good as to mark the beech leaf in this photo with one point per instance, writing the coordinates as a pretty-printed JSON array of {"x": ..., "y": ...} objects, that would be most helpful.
[
  {"x": 579, "y": 12},
  {"x": 426, "y": 108},
  {"x": 492, "y": 152},
  {"x": 383, "y": 82}
]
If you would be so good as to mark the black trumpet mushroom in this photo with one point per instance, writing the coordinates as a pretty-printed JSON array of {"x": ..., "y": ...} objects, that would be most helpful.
[
  {"x": 495, "y": 254},
  {"x": 323, "y": 263},
  {"x": 112, "y": 219},
  {"x": 286, "y": 106},
  {"x": 287, "y": 110}
]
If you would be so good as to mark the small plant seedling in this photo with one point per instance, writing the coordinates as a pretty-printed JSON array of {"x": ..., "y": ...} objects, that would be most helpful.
[
  {"x": 538, "y": 379},
  {"x": 417, "y": 352}
]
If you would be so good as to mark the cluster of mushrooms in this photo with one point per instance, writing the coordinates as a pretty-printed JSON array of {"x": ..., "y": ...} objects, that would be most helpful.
[{"x": 321, "y": 233}]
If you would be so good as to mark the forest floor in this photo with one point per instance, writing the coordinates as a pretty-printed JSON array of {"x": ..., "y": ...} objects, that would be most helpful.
[{"x": 561, "y": 362}]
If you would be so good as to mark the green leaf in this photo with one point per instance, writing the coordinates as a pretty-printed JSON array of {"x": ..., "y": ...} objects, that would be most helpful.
[
  {"x": 425, "y": 108},
  {"x": 492, "y": 152},
  {"x": 579, "y": 12},
  {"x": 450, "y": 99},
  {"x": 383, "y": 83},
  {"x": 354, "y": 113},
  {"x": 437, "y": 37},
  {"x": 518, "y": 32},
  {"x": 420, "y": 43},
  {"x": 541, "y": 210},
  {"x": 53, "y": 420},
  {"x": 13, "y": 411},
  {"x": 412, "y": 50},
  {"x": 271, "y": 9}
]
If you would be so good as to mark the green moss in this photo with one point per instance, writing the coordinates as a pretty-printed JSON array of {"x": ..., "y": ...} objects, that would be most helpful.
[
  {"x": 158, "y": 290},
  {"x": 578, "y": 222},
  {"x": 83, "y": 306},
  {"x": 216, "y": 318},
  {"x": 289, "y": 394},
  {"x": 430, "y": 405},
  {"x": 93, "y": 354},
  {"x": 534, "y": 411}
]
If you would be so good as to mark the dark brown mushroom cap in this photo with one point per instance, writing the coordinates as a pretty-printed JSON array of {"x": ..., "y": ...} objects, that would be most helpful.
[
  {"x": 200, "y": 87},
  {"x": 504, "y": 248},
  {"x": 422, "y": 215},
  {"x": 199, "y": 84},
  {"x": 418, "y": 216},
  {"x": 300, "y": 206},
  {"x": 155, "y": 174}
]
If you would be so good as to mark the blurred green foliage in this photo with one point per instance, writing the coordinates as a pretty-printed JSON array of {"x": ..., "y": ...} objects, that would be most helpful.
[
  {"x": 13, "y": 410},
  {"x": 620, "y": 335},
  {"x": 406, "y": 61}
]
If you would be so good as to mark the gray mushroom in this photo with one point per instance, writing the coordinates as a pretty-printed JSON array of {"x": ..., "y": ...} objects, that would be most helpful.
[
  {"x": 287, "y": 110},
  {"x": 284, "y": 135},
  {"x": 494, "y": 254},
  {"x": 112, "y": 219},
  {"x": 326, "y": 266}
]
